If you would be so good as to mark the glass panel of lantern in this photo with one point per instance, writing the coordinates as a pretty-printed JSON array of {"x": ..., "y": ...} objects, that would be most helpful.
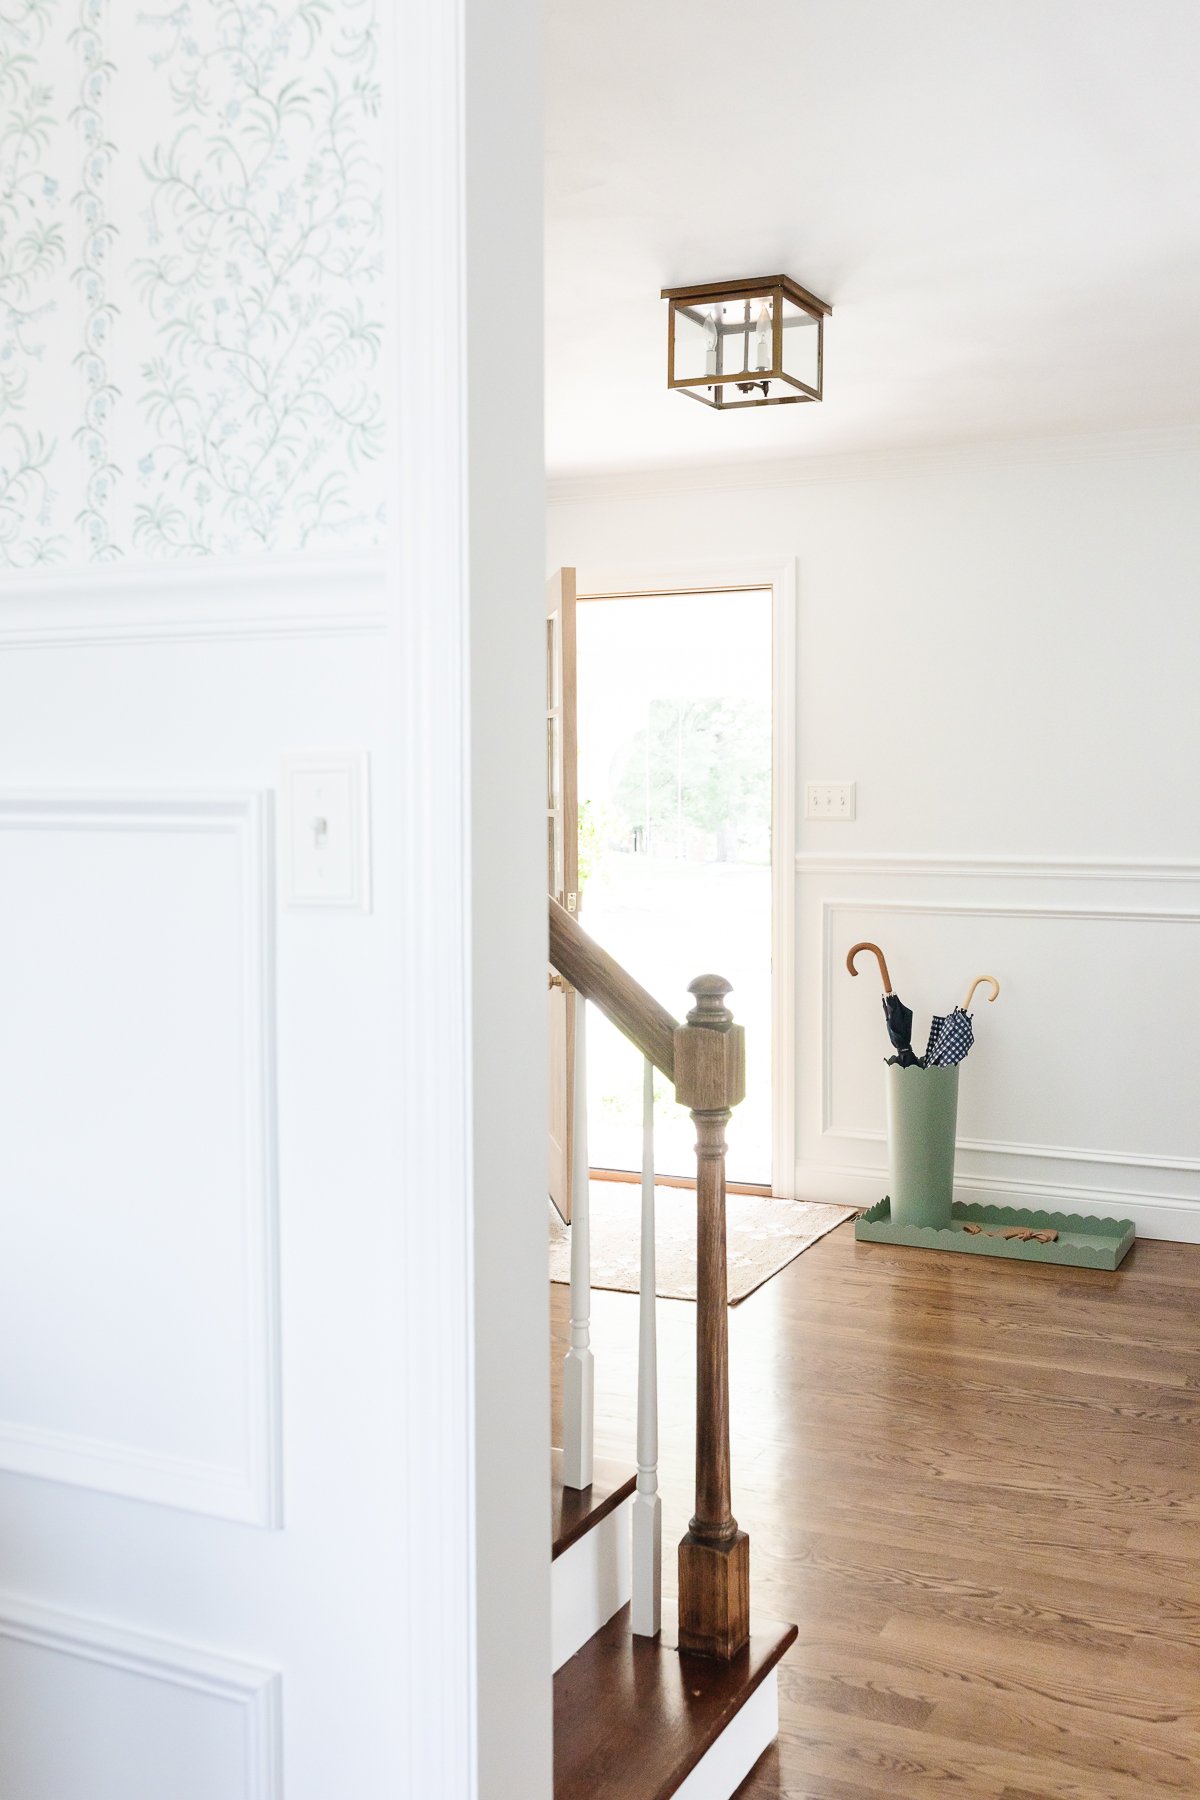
[
  {"x": 695, "y": 336},
  {"x": 801, "y": 346},
  {"x": 729, "y": 340}
]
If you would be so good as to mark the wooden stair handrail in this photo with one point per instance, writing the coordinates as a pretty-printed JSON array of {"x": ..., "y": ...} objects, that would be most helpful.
[
  {"x": 705, "y": 1058},
  {"x": 600, "y": 978}
]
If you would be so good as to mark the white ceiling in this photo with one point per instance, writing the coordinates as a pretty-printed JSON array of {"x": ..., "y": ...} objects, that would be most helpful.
[{"x": 1000, "y": 199}]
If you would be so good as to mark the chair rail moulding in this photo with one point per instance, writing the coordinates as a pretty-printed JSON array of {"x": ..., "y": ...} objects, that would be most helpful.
[
  {"x": 779, "y": 573},
  {"x": 1018, "y": 868},
  {"x": 223, "y": 597}
]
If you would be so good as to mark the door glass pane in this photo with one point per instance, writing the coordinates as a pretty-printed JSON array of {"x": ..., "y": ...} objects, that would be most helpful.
[
  {"x": 675, "y": 845},
  {"x": 553, "y": 697},
  {"x": 554, "y": 869},
  {"x": 553, "y": 762}
]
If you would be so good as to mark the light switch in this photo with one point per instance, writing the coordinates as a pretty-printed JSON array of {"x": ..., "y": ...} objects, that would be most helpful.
[
  {"x": 829, "y": 800},
  {"x": 324, "y": 830}
]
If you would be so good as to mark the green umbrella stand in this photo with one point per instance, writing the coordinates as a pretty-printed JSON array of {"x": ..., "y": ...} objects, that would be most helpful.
[
  {"x": 922, "y": 1111},
  {"x": 921, "y": 1212}
]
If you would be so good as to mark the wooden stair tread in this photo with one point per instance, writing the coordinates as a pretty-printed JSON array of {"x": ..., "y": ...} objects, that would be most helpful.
[
  {"x": 632, "y": 1717},
  {"x": 574, "y": 1511}
]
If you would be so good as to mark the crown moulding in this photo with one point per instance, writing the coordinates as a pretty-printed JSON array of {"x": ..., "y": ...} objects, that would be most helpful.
[{"x": 667, "y": 479}]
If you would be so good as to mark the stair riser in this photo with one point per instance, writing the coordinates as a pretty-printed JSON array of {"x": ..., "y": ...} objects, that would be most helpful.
[
  {"x": 722, "y": 1770},
  {"x": 589, "y": 1582}
]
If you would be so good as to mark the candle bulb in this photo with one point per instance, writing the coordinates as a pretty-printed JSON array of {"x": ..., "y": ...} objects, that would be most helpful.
[
  {"x": 764, "y": 336},
  {"x": 711, "y": 336}
]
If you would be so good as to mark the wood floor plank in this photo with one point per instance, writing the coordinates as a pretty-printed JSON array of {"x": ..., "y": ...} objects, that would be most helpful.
[
  {"x": 974, "y": 1485},
  {"x": 1008, "y": 1711}
]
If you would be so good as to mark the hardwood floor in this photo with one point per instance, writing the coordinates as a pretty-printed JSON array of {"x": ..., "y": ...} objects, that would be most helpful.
[{"x": 974, "y": 1487}]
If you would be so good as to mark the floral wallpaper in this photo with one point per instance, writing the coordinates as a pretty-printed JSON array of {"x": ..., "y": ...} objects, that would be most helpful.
[
  {"x": 33, "y": 273},
  {"x": 190, "y": 279}
]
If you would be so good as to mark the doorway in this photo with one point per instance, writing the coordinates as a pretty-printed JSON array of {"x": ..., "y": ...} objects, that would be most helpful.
[{"x": 676, "y": 791}]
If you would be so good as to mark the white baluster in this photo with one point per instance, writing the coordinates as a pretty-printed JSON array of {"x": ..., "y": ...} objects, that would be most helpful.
[
  {"x": 578, "y": 1370},
  {"x": 647, "y": 1506}
]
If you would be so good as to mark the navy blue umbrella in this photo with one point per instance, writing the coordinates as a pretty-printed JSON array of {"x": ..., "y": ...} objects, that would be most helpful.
[{"x": 897, "y": 1016}]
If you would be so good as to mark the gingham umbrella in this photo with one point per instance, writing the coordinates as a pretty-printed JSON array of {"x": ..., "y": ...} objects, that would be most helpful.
[
  {"x": 897, "y": 1016},
  {"x": 951, "y": 1037}
]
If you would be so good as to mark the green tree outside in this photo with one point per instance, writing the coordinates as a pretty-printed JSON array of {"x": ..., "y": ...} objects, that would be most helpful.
[{"x": 699, "y": 766}]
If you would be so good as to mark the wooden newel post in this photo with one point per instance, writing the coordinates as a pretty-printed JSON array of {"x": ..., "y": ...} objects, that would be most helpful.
[{"x": 714, "y": 1556}]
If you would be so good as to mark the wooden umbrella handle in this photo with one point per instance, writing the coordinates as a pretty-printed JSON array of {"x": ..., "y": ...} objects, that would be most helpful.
[
  {"x": 977, "y": 983},
  {"x": 876, "y": 952}
]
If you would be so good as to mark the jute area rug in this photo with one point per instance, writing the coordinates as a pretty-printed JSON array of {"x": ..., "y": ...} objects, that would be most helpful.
[{"x": 763, "y": 1237}]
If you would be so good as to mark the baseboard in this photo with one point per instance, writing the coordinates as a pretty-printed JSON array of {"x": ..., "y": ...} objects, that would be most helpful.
[
  {"x": 1168, "y": 1216},
  {"x": 590, "y": 1581}
]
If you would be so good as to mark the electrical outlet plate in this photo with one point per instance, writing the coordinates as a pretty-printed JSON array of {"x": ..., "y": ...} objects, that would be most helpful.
[
  {"x": 323, "y": 828},
  {"x": 829, "y": 800}
]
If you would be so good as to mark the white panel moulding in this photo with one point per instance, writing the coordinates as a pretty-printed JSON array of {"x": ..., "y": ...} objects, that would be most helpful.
[
  {"x": 1003, "y": 1146},
  {"x": 1091, "y": 1179},
  {"x": 245, "y": 1486},
  {"x": 235, "y": 1703}
]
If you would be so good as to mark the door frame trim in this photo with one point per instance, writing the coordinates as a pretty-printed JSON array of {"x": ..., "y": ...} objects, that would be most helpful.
[{"x": 628, "y": 579}]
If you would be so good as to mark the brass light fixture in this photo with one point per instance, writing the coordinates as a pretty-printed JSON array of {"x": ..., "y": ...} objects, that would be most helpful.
[{"x": 746, "y": 343}]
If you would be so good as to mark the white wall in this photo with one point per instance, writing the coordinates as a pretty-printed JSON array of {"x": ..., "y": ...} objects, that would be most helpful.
[
  {"x": 1000, "y": 646},
  {"x": 506, "y": 471}
]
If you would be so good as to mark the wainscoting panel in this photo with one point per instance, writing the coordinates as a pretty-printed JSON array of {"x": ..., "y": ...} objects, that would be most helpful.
[
  {"x": 139, "y": 1348},
  {"x": 1080, "y": 1090},
  {"x": 89, "y": 1712}
]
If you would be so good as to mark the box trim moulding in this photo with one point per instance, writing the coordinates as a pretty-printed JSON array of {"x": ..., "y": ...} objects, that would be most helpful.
[
  {"x": 255, "y": 1690},
  {"x": 222, "y": 598},
  {"x": 1000, "y": 1147},
  {"x": 251, "y": 1494},
  {"x": 1021, "y": 868}
]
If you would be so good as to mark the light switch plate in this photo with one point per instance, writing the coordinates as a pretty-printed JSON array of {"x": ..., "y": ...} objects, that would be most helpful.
[
  {"x": 324, "y": 830},
  {"x": 829, "y": 800}
]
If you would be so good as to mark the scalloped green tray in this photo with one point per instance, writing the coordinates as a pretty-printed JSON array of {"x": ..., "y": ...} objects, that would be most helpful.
[{"x": 1083, "y": 1242}]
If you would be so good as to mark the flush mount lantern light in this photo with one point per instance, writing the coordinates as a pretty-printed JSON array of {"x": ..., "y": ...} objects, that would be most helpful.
[{"x": 746, "y": 343}]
